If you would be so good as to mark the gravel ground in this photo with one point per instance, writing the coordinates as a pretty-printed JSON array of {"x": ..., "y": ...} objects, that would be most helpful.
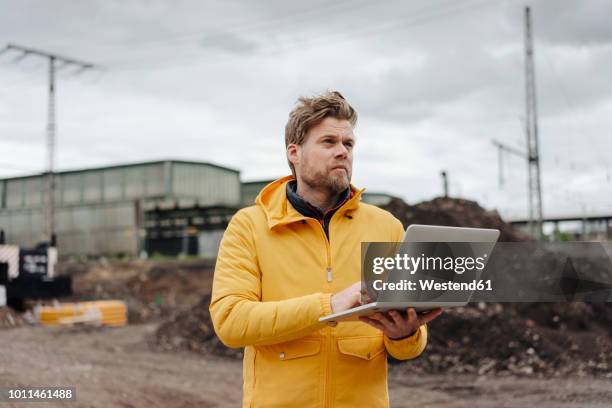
[{"x": 116, "y": 368}]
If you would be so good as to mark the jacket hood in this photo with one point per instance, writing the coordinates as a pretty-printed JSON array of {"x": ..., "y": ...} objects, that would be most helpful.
[{"x": 273, "y": 199}]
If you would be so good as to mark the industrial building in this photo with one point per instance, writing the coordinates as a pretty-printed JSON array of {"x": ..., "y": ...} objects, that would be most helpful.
[
  {"x": 165, "y": 207},
  {"x": 168, "y": 207}
]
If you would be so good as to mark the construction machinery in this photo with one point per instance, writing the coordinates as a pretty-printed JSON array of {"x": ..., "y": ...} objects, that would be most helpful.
[{"x": 30, "y": 273}]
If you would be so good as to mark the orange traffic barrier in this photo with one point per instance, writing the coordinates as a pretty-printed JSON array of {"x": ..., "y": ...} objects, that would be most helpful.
[{"x": 101, "y": 312}]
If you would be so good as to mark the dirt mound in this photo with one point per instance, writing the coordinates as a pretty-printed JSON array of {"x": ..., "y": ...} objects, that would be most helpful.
[
  {"x": 453, "y": 212},
  {"x": 519, "y": 338},
  {"x": 192, "y": 331},
  {"x": 151, "y": 289},
  {"x": 501, "y": 339},
  {"x": 504, "y": 339}
]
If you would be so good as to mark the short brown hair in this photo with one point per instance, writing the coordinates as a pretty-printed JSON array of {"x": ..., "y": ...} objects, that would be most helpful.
[{"x": 309, "y": 112}]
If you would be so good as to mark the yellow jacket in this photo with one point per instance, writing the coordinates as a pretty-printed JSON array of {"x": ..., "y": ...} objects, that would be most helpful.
[{"x": 270, "y": 287}]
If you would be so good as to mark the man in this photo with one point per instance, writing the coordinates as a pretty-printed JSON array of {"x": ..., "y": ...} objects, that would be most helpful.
[{"x": 295, "y": 257}]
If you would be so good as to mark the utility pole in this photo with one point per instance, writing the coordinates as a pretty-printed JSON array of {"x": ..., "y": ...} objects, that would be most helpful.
[
  {"x": 534, "y": 185},
  {"x": 444, "y": 182},
  {"x": 533, "y": 154},
  {"x": 55, "y": 62}
]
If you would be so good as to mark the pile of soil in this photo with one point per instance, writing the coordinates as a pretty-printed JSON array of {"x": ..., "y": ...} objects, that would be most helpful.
[
  {"x": 153, "y": 290},
  {"x": 506, "y": 339},
  {"x": 192, "y": 331},
  {"x": 543, "y": 340},
  {"x": 514, "y": 338},
  {"x": 454, "y": 212}
]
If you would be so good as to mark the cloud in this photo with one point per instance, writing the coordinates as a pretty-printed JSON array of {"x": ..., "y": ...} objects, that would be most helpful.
[
  {"x": 433, "y": 82},
  {"x": 578, "y": 24}
]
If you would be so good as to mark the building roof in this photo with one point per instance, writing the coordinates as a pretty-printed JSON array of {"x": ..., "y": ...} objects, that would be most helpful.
[
  {"x": 118, "y": 166},
  {"x": 255, "y": 182}
]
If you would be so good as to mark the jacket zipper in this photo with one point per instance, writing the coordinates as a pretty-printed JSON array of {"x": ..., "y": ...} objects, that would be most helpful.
[
  {"x": 328, "y": 269},
  {"x": 328, "y": 385},
  {"x": 328, "y": 337}
]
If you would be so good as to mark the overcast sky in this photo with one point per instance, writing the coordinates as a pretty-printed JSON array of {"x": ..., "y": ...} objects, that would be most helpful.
[{"x": 433, "y": 82}]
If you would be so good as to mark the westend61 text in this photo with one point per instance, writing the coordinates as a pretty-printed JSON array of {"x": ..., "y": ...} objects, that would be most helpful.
[{"x": 430, "y": 284}]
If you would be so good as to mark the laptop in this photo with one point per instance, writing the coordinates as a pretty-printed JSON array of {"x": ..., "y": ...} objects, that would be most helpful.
[{"x": 479, "y": 240}]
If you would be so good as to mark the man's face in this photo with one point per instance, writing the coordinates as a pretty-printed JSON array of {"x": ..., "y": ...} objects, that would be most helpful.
[{"x": 325, "y": 159}]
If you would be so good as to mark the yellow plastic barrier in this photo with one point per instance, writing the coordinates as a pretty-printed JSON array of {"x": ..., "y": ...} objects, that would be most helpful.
[{"x": 102, "y": 312}]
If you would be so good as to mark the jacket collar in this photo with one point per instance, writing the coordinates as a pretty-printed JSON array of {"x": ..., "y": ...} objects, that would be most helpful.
[
  {"x": 309, "y": 210},
  {"x": 279, "y": 211}
]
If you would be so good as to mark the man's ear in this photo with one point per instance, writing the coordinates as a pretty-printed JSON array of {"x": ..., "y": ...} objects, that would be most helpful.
[{"x": 293, "y": 153}]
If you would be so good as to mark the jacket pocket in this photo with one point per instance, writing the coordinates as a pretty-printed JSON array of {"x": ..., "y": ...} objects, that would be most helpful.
[
  {"x": 288, "y": 374},
  {"x": 361, "y": 364},
  {"x": 366, "y": 348},
  {"x": 297, "y": 349}
]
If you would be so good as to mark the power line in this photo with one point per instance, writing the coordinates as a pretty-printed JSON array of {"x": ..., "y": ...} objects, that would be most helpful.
[
  {"x": 421, "y": 16},
  {"x": 54, "y": 60},
  {"x": 580, "y": 127},
  {"x": 579, "y": 122},
  {"x": 315, "y": 13},
  {"x": 161, "y": 44},
  {"x": 577, "y": 116}
]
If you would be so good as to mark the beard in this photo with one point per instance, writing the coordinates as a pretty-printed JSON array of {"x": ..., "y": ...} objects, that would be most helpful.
[{"x": 334, "y": 181}]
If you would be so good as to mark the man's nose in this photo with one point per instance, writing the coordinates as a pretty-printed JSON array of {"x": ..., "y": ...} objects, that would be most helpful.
[{"x": 341, "y": 150}]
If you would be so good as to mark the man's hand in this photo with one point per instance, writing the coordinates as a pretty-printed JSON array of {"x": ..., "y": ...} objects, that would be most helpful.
[
  {"x": 346, "y": 298},
  {"x": 396, "y": 326}
]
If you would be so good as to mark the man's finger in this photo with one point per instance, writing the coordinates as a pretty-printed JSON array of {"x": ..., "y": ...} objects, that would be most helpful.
[
  {"x": 384, "y": 320},
  {"x": 413, "y": 317},
  {"x": 397, "y": 318},
  {"x": 355, "y": 299}
]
